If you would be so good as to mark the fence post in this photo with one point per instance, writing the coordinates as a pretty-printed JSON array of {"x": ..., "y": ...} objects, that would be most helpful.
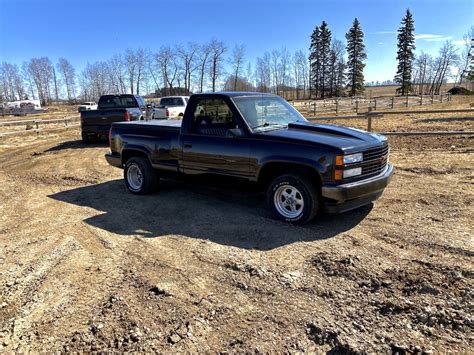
[
  {"x": 357, "y": 106},
  {"x": 432, "y": 98},
  {"x": 392, "y": 100},
  {"x": 369, "y": 119},
  {"x": 421, "y": 100},
  {"x": 375, "y": 104},
  {"x": 314, "y": 108},
  {"x": 337, "y": 106},
  {"x": 440, "y": 97},
  {"x": 406, "y": 102}
]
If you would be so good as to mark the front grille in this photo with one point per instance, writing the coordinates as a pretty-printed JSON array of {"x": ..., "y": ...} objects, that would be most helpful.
[{"x": 375, "y": 161}]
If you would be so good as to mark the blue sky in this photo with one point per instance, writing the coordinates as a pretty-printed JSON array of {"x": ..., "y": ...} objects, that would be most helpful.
[{"x": 87, "y": 31}]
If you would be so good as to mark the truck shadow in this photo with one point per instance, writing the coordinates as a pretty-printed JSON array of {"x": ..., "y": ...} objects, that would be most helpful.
[
  {"x": 77, "y": 144},
  {"x": 235, "y": 218}
]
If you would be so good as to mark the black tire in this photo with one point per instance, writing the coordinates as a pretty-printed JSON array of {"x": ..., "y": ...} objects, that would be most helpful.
[
  {"x": 149, "y": 177},
  {"x": 306, "y": 191},
  {"x": 88, "y": 138}
]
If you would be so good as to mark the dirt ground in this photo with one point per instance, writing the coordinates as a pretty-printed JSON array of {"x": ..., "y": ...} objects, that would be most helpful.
[{"x": 86, "y": 266}]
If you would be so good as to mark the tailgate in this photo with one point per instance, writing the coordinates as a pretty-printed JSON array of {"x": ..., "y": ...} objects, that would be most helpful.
[{"x": 100, "y": 120}]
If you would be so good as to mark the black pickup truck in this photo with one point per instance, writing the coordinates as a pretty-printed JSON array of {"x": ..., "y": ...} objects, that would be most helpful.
[
  {"x": 304, "y": 167},
  {"x": 111, "y": 108}
]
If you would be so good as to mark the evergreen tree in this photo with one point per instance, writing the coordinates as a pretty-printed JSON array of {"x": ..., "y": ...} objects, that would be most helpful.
[
  {"x": 356, "y": 55},
  {"x": 320, "y": 60},
  {"x": 315, "y": 61},
  {"x": 325, "y": 59},
  {"x": 405, "y": 53}
]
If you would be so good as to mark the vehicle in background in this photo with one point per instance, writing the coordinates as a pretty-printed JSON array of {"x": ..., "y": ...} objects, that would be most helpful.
[
  {"x": 111, "y": 108},
  {"x": 30, "y": 105},
  {"x": 87, "y": 106},
  {"x": 304, "y": 167},
  {"x": 22, "y": 108},
  {"x": 170, "y": 107}
]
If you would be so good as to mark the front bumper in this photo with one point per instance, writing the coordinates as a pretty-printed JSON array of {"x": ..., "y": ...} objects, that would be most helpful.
[
  {"x": 114, "y": 160},
  {"x": 352, "y": 195}
]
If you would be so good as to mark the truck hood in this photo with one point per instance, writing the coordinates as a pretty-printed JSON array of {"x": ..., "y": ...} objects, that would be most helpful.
[{"x": 346, "y": 139}]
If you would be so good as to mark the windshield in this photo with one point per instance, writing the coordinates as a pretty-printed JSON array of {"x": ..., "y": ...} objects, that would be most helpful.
[{"x": 267, "y": 112}]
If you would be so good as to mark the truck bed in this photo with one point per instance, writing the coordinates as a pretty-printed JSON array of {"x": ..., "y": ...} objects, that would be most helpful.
[{"x": 162, "y": 125}]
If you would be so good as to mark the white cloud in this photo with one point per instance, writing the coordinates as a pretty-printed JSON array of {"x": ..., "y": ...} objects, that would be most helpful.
[
  {"x": 432, "y": 37},
  {"x": 379, "y": 43},
  {"x": 460, "y": 42}
]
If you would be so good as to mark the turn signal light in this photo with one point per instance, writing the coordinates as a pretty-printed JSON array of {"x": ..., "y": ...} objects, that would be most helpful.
[
  {"x": 337, "y": 175},
  {"x": 127, "y": 116},
  {"x": 339, "y": 160}
]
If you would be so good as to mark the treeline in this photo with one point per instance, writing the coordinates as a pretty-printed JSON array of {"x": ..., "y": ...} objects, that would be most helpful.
[{"x": 330, "y": 68}]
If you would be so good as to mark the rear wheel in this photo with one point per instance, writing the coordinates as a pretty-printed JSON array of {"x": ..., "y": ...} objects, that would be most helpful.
[
  {"x": 89, "y": 138},
  {"x": 140, "y": 178},
  {"x": 293, "y": 198}
]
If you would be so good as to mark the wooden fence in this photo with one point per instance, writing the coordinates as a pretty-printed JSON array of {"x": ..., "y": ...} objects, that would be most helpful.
[
  {"x": 371, "y": 115},
  {"x": 363, "y": 104},
  {"x": 36, "y": 126}
]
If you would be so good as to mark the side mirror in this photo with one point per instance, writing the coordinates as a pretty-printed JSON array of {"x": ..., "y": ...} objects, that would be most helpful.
[{"x": 235, "y": 133}]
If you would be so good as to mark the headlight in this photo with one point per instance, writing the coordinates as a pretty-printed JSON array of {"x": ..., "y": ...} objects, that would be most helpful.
[
  {"x": 351, "y": 172},
  {"x": 353, "y": 158}
]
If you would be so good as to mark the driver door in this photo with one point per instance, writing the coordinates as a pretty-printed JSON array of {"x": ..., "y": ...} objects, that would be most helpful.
[{"x": 210, "y": 146}]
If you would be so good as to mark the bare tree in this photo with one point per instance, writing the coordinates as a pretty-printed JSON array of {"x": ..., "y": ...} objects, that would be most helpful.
[
  {"x": 27, "y": 76},
  {"x": 204, "y": 53},
  {"x": 11, "y": 82},
  {"x": 447, "y": 57},
  {"x": 167, "y": 61},
  {"x": 263, "y": 75},
  {"x": 236, "y": 61},
  {"x": 131, "y": 65},
  {"x": 466, "y": 56},
  {"x": 140, "y": 65},
  {"x": 216, "y": 70},
  {"x": 41, "y": 72},
  {"x": 117, "y": 74},
  {"x": 67, "y": 71},
  {"x": 275, "y": 60},
  {"x": 188, "y": 56}
]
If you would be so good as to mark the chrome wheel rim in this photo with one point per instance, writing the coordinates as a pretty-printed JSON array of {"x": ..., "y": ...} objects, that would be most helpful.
[
  {"x": 288, "y": 201},
  {"x": 134, "y": 177}
]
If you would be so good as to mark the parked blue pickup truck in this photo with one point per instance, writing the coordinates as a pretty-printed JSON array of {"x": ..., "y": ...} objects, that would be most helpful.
[{"x": 304, "y": 167}]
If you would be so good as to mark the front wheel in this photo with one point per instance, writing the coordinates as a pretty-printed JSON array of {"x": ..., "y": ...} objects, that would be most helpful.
[
  {"x": 140, "y": 178},
  {"x": 293, "y": 198}
]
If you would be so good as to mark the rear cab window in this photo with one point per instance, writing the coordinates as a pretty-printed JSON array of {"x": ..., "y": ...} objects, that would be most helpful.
[
  {"x": 212, "y": 117},
  {"x": 117, "y": 102},
  {"x": 171, "y": 101}
]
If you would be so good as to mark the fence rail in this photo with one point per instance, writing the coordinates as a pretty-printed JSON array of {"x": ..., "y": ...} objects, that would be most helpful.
[
  {"x": 35, "y": 126},
  {"x": 363, "y": 104}
]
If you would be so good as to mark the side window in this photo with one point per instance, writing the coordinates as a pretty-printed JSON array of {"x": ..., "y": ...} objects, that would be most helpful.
[{"x": 212, "y": 117}]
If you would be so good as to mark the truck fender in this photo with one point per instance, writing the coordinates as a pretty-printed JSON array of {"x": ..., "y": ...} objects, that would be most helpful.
[
  {"x": 130, "y": 150},
  {"x": 320, "y": 167}
]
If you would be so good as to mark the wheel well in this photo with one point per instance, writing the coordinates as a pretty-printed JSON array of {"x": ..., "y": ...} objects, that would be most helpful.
[
  {"x": 131, "y": 153},
  {"x": 272, "y": 170}
]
